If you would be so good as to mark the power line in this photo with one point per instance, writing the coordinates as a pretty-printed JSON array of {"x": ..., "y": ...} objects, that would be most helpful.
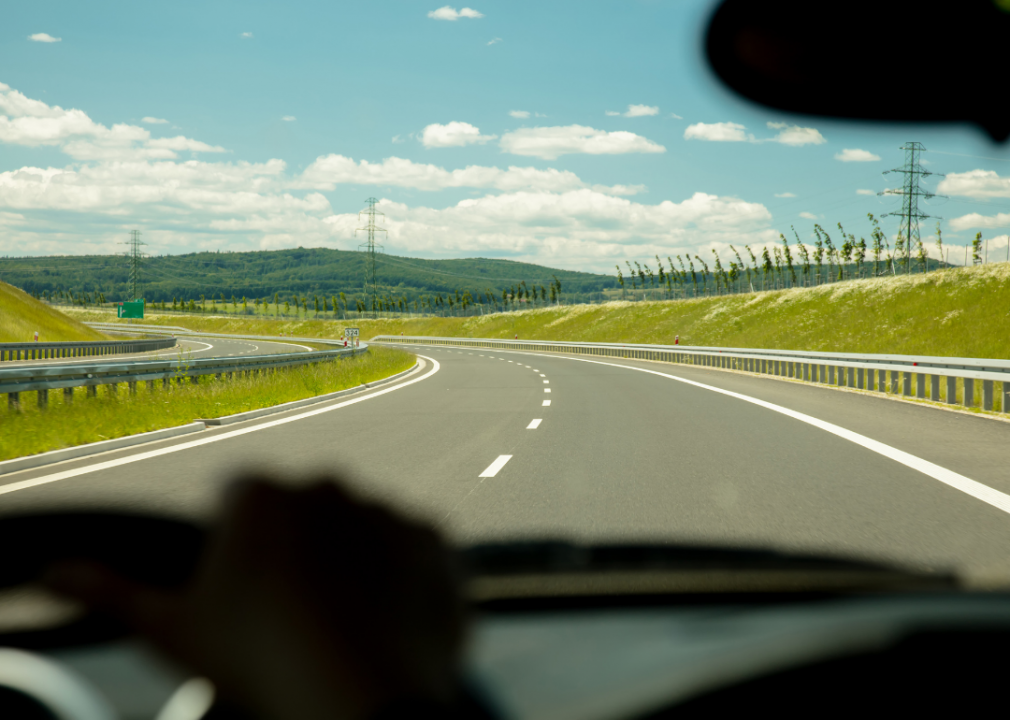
[
  {"x": 135, "y": 256},
  {"x": 910, "y": 193},
  {"x": 370, "y": 248}
]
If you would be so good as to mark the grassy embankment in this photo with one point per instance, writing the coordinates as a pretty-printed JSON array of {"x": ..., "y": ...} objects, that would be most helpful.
[
  {"x": 962, "y": 312},
  {"x": 959, "y": 312},
  {"x": 21, "y": 316},
  {"x": 30, "y": 430}
]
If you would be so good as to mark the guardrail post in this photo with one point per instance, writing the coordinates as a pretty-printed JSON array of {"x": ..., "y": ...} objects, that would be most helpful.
[
  {"x": 860, "y": 377},
  {"x": 987, "y": 394},
  {"x": 920, "y": 386},
  {"x": 92, "y": 390},
  {"x": 133, "y": 387},
  {"x": 12, "y": 401},
  {"x": 194, "y": 379},
  {"x": 831, "y": 375},
  {"x": 934, "y": 388},
  {"x": 969, "y": 392},
  {"x": 951, "y": 390},
  {"x": 895, "y": 381},
  {"x": 43, "y": 398},
  {"x": 850, "y": 377},
  {"x": 906, "y": 385},
  {"x": 1005, "y": 397}
]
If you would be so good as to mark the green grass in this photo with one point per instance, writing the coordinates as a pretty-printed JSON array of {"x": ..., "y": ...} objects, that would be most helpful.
[
  {"x": 963, "y": 312},
  {"x": 31, "y": 430},
  {"x": 21, "y": 316}
]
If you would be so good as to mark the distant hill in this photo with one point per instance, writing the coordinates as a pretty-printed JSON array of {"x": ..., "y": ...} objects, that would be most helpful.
[
  {"x": 260, "y": 274},
  {"x": 21, "y": 316}
]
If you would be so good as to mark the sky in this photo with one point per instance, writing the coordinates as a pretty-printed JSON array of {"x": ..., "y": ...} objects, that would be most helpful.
[{"x": 576, "y": 135}]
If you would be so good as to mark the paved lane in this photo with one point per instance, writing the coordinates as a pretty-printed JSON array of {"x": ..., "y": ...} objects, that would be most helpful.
[
  {"x": 195, "y": 346},
  {"x": 618, "y": 454}
]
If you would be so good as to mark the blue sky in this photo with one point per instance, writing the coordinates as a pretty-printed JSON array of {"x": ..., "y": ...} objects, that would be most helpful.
[{"x": 576, "y": 135}]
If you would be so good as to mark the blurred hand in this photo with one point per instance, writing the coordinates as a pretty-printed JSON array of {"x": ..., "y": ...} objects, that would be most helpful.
[{"x": 307, "y": 604}]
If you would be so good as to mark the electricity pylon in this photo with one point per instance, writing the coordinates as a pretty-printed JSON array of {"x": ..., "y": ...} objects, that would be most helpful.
[
  {"x": 910, "y": 193},
  {"x": 370, "y": 248},
  {"x": 135, "y": 256}
]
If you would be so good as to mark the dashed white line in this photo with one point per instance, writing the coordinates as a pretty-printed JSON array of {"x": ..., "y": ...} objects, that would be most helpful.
[
  {"x": 547, "y": 403},
  {"x": 547, "y": 389},
  {"x": 494, "y": 467},
  {"x": 547, "y": 382},
  {"x": 534, "y": 424},
  {"x": 542, "y": 375}
]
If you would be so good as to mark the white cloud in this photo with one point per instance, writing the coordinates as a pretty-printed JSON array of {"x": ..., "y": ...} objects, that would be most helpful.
[
  {"x": 153, "y": 120},
  {"x": 494, "y": 41},
  {"x": 576, "y": 228},
  {"x": 246, "y": 35},
  {"x": 716, "y": 132},
  {"x": 864, "y": 191},
  {"x": 735, "y": 132},
  {"x": 976, "y": 220},
  {"x": 977, "y": 184},
  {"x": 809, "y": 216},
  {"x": 675, "y": 116},
  {"x": 795, "y": 135},
  {"x": 29, "y": 122},
  {"x": 856, "y": 155},
  {"x": 520, "y": 114},
  {"x": 550, "y": 142},
  {"x": 332, "y": 170},
  {"x": 635, "y": 111},
  {"x": 543, "y": 215},
  {"x": 44, "y": 38},
  {"x": 453, "y": 134},
  {"x": 289, "y": 118},
  {"x": 449, "y": 13},
  {"x": 398, "y": 139},
  {"x": 785, "y": 195},
  {"x": 641, "y": 111}
]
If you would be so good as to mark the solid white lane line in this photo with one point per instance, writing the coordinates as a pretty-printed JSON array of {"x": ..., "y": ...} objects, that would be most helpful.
[
  {"x": 45, "y": 479},
  {"x": 534, "y": 424},
  {"x": 547, "y": 403},
  {"x": 950, "y": 478},
  {"x": 497, "y": 465}
]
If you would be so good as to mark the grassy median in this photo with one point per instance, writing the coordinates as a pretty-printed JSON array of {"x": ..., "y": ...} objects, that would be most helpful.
[
  {"x": 29, "y": 430},
  {"x": 962, "y": 312}
]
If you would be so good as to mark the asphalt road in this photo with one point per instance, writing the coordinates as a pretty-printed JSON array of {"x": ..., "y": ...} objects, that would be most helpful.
[
  {"x": 619, "y": 454},
  {"x": 195, "y": 346}
]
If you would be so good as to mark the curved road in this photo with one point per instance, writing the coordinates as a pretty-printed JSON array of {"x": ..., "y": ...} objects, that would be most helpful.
[
  {"x": 195, "y": 346},
  {"x": 617, "y": 454}
]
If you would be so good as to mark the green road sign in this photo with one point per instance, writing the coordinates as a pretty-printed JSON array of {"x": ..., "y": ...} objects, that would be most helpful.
[{"x": 131, "y": 309}]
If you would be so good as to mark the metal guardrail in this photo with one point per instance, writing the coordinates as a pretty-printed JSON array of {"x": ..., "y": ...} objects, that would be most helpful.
[
  {"x": 894, "y": 374},
  {"x": 43, "y": 378},
  {"x": 98, "y": 348}
]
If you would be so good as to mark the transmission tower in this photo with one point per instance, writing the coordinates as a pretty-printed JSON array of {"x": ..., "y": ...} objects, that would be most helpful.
[
  {"x": 910, "y": 193},
  {"x": 370, "y": 248},
  {"x": 135, "y": 256}
]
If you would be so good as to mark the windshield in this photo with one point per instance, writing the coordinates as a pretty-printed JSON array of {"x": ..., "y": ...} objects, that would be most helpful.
[{"x": 273, "y": 180}]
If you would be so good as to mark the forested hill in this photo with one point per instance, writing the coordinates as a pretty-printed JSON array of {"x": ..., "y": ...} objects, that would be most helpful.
[{"x": 301, "y": 271}]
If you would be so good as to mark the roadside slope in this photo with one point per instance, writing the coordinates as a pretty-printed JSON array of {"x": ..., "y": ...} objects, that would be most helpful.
[
  {"x": 962, "y": 312},
  {"x": 21, "y": 316}
]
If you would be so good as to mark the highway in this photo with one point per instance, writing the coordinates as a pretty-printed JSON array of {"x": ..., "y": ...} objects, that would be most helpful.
[
  {"x": 496, "y": 445},
  {"x": 194, "y": 346}
]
